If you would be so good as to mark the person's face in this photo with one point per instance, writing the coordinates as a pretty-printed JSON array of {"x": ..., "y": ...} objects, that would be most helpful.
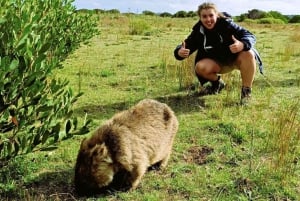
[{"x": 208, "y": 18}]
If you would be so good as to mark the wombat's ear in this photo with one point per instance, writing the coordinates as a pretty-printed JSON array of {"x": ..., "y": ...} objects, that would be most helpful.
[{"x": 101, "y": 150}]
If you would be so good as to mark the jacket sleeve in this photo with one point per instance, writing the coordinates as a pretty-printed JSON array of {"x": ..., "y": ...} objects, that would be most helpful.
[
  {"x": 249, "y": 41},
  {"x": 191, "y": 42},
  {"x": 176, "y": 53},
  {"x": 243, "y": 35}
]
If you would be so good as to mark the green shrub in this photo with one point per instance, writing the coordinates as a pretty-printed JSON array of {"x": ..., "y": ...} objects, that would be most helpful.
[
  {"x": 180, "y": 14},
  {"x": 250, "y": 21},
  {"x": 278, "y": 15},
  {"x": 113, "y": 11},
  {"x": 165, "y": 14},
  {"x": 270, "y": 21},
  {"x": 139, "y": 27},
  {"x": 191, "y": 14},
  {"x": 148, "y": 12},
  {"x": 36, "y": 36}
]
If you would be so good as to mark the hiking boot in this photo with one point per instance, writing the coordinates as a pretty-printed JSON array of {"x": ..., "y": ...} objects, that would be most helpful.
[
  {"x": 213, "y": 87},
  {"x": 245, "y": 95}
]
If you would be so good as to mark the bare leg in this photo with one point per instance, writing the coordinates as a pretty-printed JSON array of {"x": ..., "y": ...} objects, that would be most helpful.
[
  {"x": 207, "y": 68},
  {"x": 247, "y": 66}
]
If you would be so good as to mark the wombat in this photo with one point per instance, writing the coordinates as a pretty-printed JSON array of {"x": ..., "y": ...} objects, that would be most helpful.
[{"x": 131, "y": 141}]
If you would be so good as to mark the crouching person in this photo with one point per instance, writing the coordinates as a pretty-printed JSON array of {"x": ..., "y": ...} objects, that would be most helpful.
[{"x": 222, "y": 46}]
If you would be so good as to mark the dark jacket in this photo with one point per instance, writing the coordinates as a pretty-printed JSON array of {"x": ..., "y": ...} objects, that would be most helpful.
[{"x": 215, "y": 43}]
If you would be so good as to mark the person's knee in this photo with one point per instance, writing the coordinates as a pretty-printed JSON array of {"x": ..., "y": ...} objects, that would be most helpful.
[
  {"x": 245, "y": 58},
  {"x": 200, "y": 68},
  {"x": 246, "y": 55},
  {"x": 206, "y": 67}
]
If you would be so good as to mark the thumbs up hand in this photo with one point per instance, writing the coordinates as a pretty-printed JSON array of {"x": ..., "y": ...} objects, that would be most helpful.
[
  {"x": 234, "y": 39},
  {"x": 183, "y": 52},
  {"x": 237, "y": 45},
  {"x": 183, "y": 44}
]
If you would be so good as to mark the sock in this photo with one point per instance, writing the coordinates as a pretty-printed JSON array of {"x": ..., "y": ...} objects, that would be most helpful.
[
  {"x": 216, "y": 82},
  {"x": 246, "y": 91},
  {"x": 202, "y": 80}
]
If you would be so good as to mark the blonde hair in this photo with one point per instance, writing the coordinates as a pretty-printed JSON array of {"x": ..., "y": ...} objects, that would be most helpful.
[{"x": 209, "y": 5}]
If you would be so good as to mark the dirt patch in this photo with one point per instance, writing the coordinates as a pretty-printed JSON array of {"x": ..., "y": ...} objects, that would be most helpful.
[
  {"x": 244, "y": 185},
  {"x": 198, "y": 155}
]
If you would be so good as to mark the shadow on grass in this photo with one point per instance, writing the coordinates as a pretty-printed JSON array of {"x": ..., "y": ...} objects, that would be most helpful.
[
  {"x": 180, "y": 103},
  {"x": 47, "y": 186},
  {"x": 59, "y": 185},
  {"x": 267, "y": 82}
]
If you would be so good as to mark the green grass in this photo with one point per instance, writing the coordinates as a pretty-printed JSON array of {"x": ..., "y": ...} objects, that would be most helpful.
[{"x": 222, "y": 151}]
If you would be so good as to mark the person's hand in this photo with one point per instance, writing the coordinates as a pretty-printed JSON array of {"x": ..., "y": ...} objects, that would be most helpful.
[
  {"x": 237, "y": 45},
  {"x": 183, "y": 52}
]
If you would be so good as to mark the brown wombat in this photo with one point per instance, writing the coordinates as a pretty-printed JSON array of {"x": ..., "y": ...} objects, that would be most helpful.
[{"x": 131, "y": 141}]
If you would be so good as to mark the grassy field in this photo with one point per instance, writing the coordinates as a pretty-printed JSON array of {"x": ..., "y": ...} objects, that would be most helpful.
[{"x": 222, "y": 151}]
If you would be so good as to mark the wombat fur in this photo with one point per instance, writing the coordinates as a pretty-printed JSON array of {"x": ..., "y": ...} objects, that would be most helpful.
[{"x": 130, "y": 142}]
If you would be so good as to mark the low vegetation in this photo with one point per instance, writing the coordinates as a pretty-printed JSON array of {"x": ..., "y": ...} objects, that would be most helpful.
[{"x": 222, "y": 151}]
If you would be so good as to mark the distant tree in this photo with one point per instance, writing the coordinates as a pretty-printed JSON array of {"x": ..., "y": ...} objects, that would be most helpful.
[
  {"x": 241, "y": 18},
  {"x": 83, "y": 10},
  {"x": 113, "y": 11},
  {"x": 295, "y": 19},
  {"x": 180, "y": 14},
  {"x": 165, "y": 14},
  {"x": 147, "y": 12},
  {"x": 256, "y": 14},
  {"x": 191, "y": 14},
  {"x": 98, "y": 11},
  {"x": 129, "y": 14},
  {"x": 259, "y": 16}
]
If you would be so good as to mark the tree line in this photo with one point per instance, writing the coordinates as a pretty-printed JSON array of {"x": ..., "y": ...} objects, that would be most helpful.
[{"x": 254, "y": 15}]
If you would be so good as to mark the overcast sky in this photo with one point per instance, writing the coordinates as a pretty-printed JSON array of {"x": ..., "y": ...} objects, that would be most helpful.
[{"x": 234, "y": 7}]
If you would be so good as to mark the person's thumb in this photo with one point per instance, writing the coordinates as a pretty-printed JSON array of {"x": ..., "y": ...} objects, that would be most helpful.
[
  {"x": 183, "y": 44},
  {"x": 234, "y": 39}
]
